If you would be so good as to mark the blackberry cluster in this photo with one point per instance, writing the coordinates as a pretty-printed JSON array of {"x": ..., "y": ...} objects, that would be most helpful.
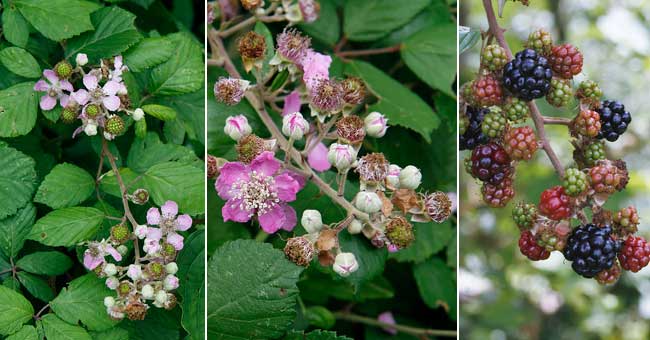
[
  {"x": 473, "y": 135},
  {"x": 528, "y": 76},
  {"x": 490, "y": 163},
  {"x": 591, "y": 249},
  {"x": 614, "y": 120}
]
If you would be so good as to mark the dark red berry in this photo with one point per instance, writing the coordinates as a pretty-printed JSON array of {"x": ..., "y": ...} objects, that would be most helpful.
[
  {"x": 635, "y": 254},
  {"x": 555, "y": 204},
  {"x": 565, "y": 60},
  {"x": 490, "y": 163},
  {"x": 529, "y": 247}
]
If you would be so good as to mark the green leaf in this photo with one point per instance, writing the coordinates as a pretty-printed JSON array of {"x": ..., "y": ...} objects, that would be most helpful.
[
  {"x": 148, "y": 53},
  {"x": 114, "y": 32},
  {"x": 366, "y": 20},
  {"x": 400, "y": 105},
  {"x": 159, "y": 111},
  {"x": 83, "y": 301},
  {"x": 12, "y": 284},
  {"x": 183, "y": 72},
  {"x": 50, "y": 263},
  {"x": 320, "y": 317},
  {"x": 66, "y": 227},
  {"x": 36, "y": 286},
  {"x": 65, "y": 186},
  {"x": 28, "y": 332},
  {"x": 261, "y": 29},
  {"x": 452, "y": 252},
  {"x": 57, "y": 19},
  {"x": 327, "y": 28},
  {"x": 20, "y": 62},
  {"x": 15, "y": 27},
  {"x": 159, "y": 324},
  {"x": 435, "y": 282},
  {"x": 14, "y": 230},
  {"x": 57, "y": 329},
  {"x": 18, "y": 108},
  {"x": 371, "y": 260},
  {"x": 149, "y": 151},
  {"x": 15, "y": 310},
  {"x": 191, "y": 112},
  {"x": 17, "y": 180},
  {"x": 114, "y": 333},
  {"x": 251, "y": 291},
  {"x": 430, "y": 238},
  {"x": 178, "y": 182},
  {"x": 467, "y": 38},
  {"x": 314, "y": 335},
  {"x": 191, "y": 269},
  {"x": 431, "y": 55}
]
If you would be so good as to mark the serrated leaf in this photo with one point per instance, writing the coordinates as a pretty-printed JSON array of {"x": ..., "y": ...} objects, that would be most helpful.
[
  {"x": 183, "y": 72},
  {"x": 57, "y": 19},
  {"x": 251, "y": 291},
  {"x": 159, "y": 324},
  {"x": 114, "y": 33},
  {"x": 15, "y": 310},
  {"x": 65, "y": 186},
  {"x": 366, "y": 20},
  {"x": 50, "y": 263},
  {"x": 371, "y": 259},
  {"x": 400, "y": 105},
  {"x": 14, "y": 27},
  {"x": 148, "y": 53},
  {"x": 191, "y": 112},
  {"x": 430, "y": 238},
  {"x": 20, "y": 62},
  {"x": 467, "y": 38},
  {"x": 159, "y": 111},
  {"x": 28, "y": 332},
  {"x": 147, "y": 152},
  {"x": 315, "y": 335},
  {"x": 83, "y": 301},
  {"x": 12, "y": 284},
  {"x": 114, "y": 333},
  {"x": 431, "y": 55},
  {"x": 191, "y": 270},
  {"x": 436, "y": 285},
  {"x": 66, "y": 227},
  {"x": 36, "y": 286},
  {"x": 57, "y": 329},
  {"x": 14, "y": 230},
  {"x": 17, "y": 180},
  {"x": 18, "y": 109},
  {"x": 178, "y": 182}
]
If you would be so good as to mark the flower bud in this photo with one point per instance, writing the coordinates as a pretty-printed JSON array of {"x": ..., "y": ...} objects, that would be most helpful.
[
  {"x": 171, "y": 268},
  {"x": 161, "y": 297},
  {"x": 237, "y": 127},
  {"x": 410, "y": 178},
  {"x": 299, "y": 250},
  {"x": 115, "y": 313},
  {"x": 109, "y": 301},
  {"x": 368, "y": 202},
  {"x": 341, "y": 156},
  {"x": 134, "y": 272},
  {"x": 392, "y": 179},
  {"x": 294, "y": 126},
  {"x": 110, "y": 269},
  {"x": 140, "y": 196},
  {"x": 81, "y": 59},
  {"x": 345, "y": 264},
  {"x": 147, "y": 292},
  {"x": 350, "y": 129},
  {"x": 376, "y": 125},
  {"x": 399, "y": 232},
  {"x": 90, "y": 129},
  {"x": 112, "y": 282},
  {"x": 137, "y": 114},
  {"x": 355, "y": 227},
  {"x": 122, "y": 249},
  {"x": 312, "y": 221},
  {"x": 140, "y": 231},
  {"x": 170, "y": 282},
  {"x": 438, "y": 206},
  {"x": 310, "y": 9},
  {"x": 230, "y": 91}
]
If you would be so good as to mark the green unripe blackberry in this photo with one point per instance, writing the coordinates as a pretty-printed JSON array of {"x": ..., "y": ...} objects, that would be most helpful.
[
  {"x": 493, "y": 57},
  {"x": 524, "y": 215},
  {"x": 575, "y": 182},
  {"x": 91, "y": 110},
  {"x": 120, "y": 233},
  {"x": 63, "y": 69},
  {"x": 467, "y": 94},
  {"x": 68, "y": 115},
  {"x": 400, "y": 232},
  {"x": 114, "y": 125},
  {"x": 467, "y": 163},
  {"x": 494, "y": 123},
  {"x": 156, "y": 270},
  {"x": 589, "y": 92},
  {"x": 463, "y": 124},
  {"x": 593, "y": 152},
  {"x": 516, "y": 110},
  {"x": 560, "y": 93},
  {"x": 541, "y": 41}
]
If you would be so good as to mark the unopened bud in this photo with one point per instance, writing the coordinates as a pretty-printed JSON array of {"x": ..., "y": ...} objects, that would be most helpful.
[
  {"x": 294, "y": 125},
  {"x": 147, "y": 292},
  {"x": 141, "y": 231},
  {"x": 312, "y": 221},
  {"x": 170, "y": 282},
  {"x": 122, "y": 249},
  {"x": 341, "y": 156},
  {"x": 90, "y": 129},
  {"x": 392, "y": 179},
  {"x": 171, "y": 268},
  {"x": 376, "y": 125},
  {"x": 138, "y": 114},
  {"x": 134, "y": 272},
  {"x": 237, "y": 127},
  {"x": 345, "y": 264},
  {"x": 410, "y": 178},
  {"x": 112, "y": 282},
  {"x": 309, "y": 10},
  {"x": 110, "y": 269},
  {"x": 355, "y": 227},
  {"x": 161, "y": 297},
  {"x": 81, "y": 59},
  {"x": 109, "y": 301},
  {"x": 368, "y": 202}
]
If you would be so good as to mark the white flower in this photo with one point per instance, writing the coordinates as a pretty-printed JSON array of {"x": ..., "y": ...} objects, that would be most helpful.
[
  {"x": 81, "y": 59},
  {"x": 138, "y": 114},
  {"x": 312, "y": 221},
  {"x": 345, "y": 264},
  {"x": 294, "y": 126},
  {"x": 410, "y": 178},
  {"x": 341, "y": 156},
  {"x": 110, "y": 269},
  {"x": 161, "y": 298},
  {"x": 376, "y": 125},
  {"x": 237, "y": 127},
  {"x": 368, "y": 202},
  {"x": 147, "y": 292}
]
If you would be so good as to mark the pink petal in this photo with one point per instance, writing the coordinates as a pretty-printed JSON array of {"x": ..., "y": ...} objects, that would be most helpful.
[
  {"x": 183, "y": 222},
  {"x": 317, "y": 158},
  {"x": 387, "y": 317},
  {"x": 90, "y": 81},
  {"x": 175, "y": 240},
  {"x": 273, "y": 220},
  {"x": 287, "y": 187},
  {"x": 117, "y": 62},
  {"x": 77, "y": 131},
  {"x": 232, "y": 211},
  {"x": 47, "y": 102},
  {"x": 111, "y": 88},
  {"x": 265, "y": 164},
  {"x": 114, "y": 253},
  {"x": 230, "y": 173},
  {"x": 298, "y": 177},
  {"x": 154, "y": 233},
  {"x": 291, "y": 103},
  {"x": 153, "y": 216},
  {"x": 51, "y": 76},
  {"x": 112, "y": 103},
  {"x": 316, "y": 66},
  {"x": 64, "y": 100},
  {"x": 81, "y": 97},
  {"x": 66, "y": 85},
  {"x": 290, "y": 218},
  {"x": 169, "y": 209},
  {"x": 91, "y": 262},
  {"x": 41, "y": 85}
]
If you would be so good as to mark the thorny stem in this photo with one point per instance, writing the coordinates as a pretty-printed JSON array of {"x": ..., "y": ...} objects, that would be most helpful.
[
  {"x": 373, "y": 51},
  {"x": 415, "y": 331},
  {"x": 537, "y": 117}
]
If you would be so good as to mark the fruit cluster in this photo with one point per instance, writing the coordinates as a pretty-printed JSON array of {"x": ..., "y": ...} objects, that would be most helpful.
[{"x": 494, "y": 110}]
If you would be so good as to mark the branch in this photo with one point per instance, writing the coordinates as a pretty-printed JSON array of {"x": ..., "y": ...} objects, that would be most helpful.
[
  {"x": 557, "y": 121},
  {"x": 537, "y": 117},
  {"x": 415, "y": 331},
  {"x": 373, "y": 51}
]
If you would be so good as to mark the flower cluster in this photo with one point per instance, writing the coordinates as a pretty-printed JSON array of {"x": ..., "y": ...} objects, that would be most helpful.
[
  {"x": 152, "y": 277},
  {"x": 95, "y": 96}
]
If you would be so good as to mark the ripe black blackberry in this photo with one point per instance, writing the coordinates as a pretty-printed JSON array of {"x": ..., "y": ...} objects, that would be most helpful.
[
  {"x": 592, "y": 249},
  {"x": 528, "y": 76},
  {"x": 473, "y": 135},
  {"x": 613, "y": 120}
]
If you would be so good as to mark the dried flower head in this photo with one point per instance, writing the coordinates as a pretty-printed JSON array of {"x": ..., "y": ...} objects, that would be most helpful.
[
  {"x": 252, "y": 45},
  {"x": 213, "y": 168},
  {"x": 249, "y": 147},
  {"x": 327, "y": 96},
  {"x": 354, "y": 90},
  {"x": 292, "y": 45},
  {"x": 438, "y": 206},
  {"x": 350, "y": 129},
  {"x": 230, "y": 91},
  {"x": 136, "y": 310},
  {"x": 373, "y": 167},
  {"x": 299, "y": 250}
]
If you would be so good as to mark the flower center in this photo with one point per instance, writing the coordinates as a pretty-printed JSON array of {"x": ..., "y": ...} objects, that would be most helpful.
[
  {"x": 97, "y": 93},
  {"x": 257, "y": 193}
]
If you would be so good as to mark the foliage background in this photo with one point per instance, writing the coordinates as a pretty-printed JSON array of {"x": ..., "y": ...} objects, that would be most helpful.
[
  {"x": 504, "y": 295},
  {"x": 424, "y": 67},
  {"x": 170, "y": 72}
]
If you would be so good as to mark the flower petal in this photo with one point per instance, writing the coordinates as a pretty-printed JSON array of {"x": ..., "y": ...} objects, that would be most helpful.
[
  {"x": 265, "y": 164},
  {"x": 232, "y": 211},
  {"x": 153, "y": 216},
  {"x": 41, "y": 86},
  {"x": 66, "y": 85},
  {"x": 272, "y": 220},
  {"x": 47, "y": 102},
  {"x": 51, "y": 76},
  {"x": 154, "y": 233},
  {"x": 113, "y": 252},
  {"x": 230, "y": 173},
  {"x": 290, "y": 218},
  {"x": 291, "y": 103},
  {"x": 175, "y": 240},
  {"x": 91, "y": 262},
  {"x": 80, "y": 97},
  {"x": 64, "y": 99},
  {"x": 317, "y": 158},
  {"x": 111, "y": 87},
  {"x": 287, "y": 187},
  {"x": 117, "y": 62},
  {"x": 111, "y": 103},
  {"x": 90, "y": 81},
  {"x": 183, "y": 222},
  {"x": 169, "y": 209}
]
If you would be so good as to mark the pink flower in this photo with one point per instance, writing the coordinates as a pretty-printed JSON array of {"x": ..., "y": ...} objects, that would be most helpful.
[
  {"x": 292, "y": 45},
  {"x": 291, "y": 103},
  {"x": 106, "y": 95},
  {"x": 387, "y": 317},
  {"x": 258, "y": 190},
  {"x": 169, "y": 224},
  {"x": 315, "y": 66},
  {"x": 115, "y": 74},
  {"x": 97, "y": 251},
  {"x": 309, "y": 9},
  {"x": 54, "y": 88},
  {"x": 317, "y": 158}
]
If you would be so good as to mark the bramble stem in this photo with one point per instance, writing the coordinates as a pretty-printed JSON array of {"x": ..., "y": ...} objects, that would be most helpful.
[
  {"x": 251, "y": 21},
  {"x": 557, "y": 121},
  {"x": 536, "y": 116},
  {"x": 415, "y": 331},
  {"x": 372, "y": 51}
]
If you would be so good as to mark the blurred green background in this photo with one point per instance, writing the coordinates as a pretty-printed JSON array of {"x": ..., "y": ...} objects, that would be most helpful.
[{"x": 503, "y": 295}]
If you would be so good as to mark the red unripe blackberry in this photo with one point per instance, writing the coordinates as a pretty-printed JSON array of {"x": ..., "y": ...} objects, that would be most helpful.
[
  {"x": 520, "y": 143},
  {"x": 609, "y": 276},
  {"x": 498, "y": 196},
  {"x": 634, "y": 254},
  {"x": 555, "y": 204},
  {"x": 486, "y": 91},
  {"x": 605, "y": 177},
  {"x": 586, "y": 123},
  {"x": 490, "y": 163},
  {"x": 529, "y": 247},
  {"x": 565, "y": 60},
  {"x": 626, "y": 221}
]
